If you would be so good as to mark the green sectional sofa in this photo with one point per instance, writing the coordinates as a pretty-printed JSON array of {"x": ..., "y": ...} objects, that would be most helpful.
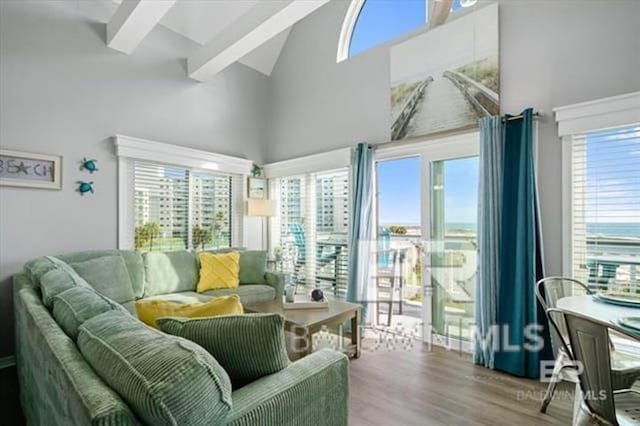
[{"x": 64, "y": 365}]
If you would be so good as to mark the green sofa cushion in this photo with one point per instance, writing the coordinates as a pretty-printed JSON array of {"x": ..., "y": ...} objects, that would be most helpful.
[
  {"x": 248, "y": 293},
  {"x": 132, "y": 260},
  {"x": 247, "y": 346},
  {"x": 170, "y": 272},
  {"x": 74, "y": 306},
  {"x": 53, "y": 283},
  {"x": 108, "y": 275},
  {"x": 165, "y": 380},
  {"x": 253, "y": 264}
]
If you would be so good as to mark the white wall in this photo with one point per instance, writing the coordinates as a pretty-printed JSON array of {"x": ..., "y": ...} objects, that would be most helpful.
[
  {"x": 552, "y": 53},
  {"x": 64, "y": 92}
]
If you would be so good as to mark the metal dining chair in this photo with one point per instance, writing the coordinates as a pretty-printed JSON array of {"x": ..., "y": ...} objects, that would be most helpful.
[
  {"x": 548, "y": 291},
  {"x": 589, "y": 347}
]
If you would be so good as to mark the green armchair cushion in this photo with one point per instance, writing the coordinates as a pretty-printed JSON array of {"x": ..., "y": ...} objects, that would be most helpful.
[
  {"x": 108, "y": 275},
  {"x": 247, "y": 346},
  {"x": 74, "y": 306},
  {"x": 253, "y": 264},
  {"x": 53, "y": 283},
  {"x": 170, "y": 272},
  {"x": 165, "y": 380}
]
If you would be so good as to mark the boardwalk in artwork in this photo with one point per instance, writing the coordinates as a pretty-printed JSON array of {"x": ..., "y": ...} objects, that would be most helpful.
[{"x": 443, "y": 107}]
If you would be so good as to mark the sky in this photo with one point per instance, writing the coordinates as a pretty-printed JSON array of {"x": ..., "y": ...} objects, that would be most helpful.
[
  {"x": 383, "y": 20},
  {"x": 399, "y": 191},
  {"x": 613, "y": 176}
]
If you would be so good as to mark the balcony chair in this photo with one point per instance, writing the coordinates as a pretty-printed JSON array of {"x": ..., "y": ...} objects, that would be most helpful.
[
  {"x": 390, "y": 282},
  {"x": 384, "y": 248},
  {"x": 548, "y": 291},
  {"x": 322, "y": 259}
]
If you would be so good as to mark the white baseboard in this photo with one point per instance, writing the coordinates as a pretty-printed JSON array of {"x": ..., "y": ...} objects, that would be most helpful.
[{"x": 7, "y": 361}]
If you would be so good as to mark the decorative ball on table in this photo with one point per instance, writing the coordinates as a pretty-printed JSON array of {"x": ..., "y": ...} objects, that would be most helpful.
[{"x": 317, "y": 295}]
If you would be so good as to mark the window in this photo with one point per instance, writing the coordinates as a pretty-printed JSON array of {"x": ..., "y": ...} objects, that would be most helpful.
[
  {"x": 309, "y": 232},
  {"x": 605, "y": 205},
  {"x": 369, "y": 23},
  {"x": 172, "y": 197},
  {"x": 180, "y": 208}
]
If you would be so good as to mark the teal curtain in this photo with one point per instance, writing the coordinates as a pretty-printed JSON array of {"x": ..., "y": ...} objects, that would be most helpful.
[
  {"x": 489, "y": 234},
  {"x": 360, "y": 224},
  {"x": 512, "y": 262}
]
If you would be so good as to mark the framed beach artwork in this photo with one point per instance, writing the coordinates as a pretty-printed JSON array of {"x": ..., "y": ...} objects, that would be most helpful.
[
  {"x": 448, "y": 77},
  {"x": 28, "y": 170}
]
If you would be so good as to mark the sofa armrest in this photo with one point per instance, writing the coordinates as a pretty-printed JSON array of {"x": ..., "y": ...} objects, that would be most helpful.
[
  {"x": 276, "y": 280},
  {"x": 57, "y": 386},
  {"x": 311, "y": 391}
]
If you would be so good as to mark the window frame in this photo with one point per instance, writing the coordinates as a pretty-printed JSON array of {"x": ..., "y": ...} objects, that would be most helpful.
[
  {"x": 131, "y": 149},
  {"x": 576, "y": 121}
]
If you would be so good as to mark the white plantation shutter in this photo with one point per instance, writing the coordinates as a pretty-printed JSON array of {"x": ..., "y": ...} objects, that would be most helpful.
[
  {"x": 161, "y": 201},
  {"x": 605, "y": 229},
  {"x": 188, "y": 208},
  {"x": 310, "y": 228}
]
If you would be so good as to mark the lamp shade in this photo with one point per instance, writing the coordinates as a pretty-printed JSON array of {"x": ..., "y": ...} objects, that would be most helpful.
[{"x": 264, "y": 208}]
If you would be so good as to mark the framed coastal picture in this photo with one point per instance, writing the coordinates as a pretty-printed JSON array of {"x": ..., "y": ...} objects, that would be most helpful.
[
  {"x": 446, "y": 78},
  {"x": 257, "y": 188},
  {"x": 29, "y": 170}
]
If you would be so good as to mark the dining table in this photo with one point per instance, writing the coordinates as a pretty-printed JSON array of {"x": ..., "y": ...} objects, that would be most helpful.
[{"x": 587, "y": 306}]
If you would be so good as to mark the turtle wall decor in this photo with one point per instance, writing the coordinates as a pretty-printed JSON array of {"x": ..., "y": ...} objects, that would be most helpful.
[
  {"x": 89, "y": 165},
  {"x": 85, "y": 187}
]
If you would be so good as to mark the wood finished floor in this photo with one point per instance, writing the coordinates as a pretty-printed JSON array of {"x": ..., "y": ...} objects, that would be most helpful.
[{"x": 439, "y": 387}]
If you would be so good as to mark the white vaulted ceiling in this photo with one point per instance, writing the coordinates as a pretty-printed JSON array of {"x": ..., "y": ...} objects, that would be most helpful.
[{"x": 203, "y": 21}]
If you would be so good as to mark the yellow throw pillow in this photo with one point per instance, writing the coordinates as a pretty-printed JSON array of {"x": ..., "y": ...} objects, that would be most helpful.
[
  {"x": 219, "y": 270},
  {"x": 150, "y": 310}
]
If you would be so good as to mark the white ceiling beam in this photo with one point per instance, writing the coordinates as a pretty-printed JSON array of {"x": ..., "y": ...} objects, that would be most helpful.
[
  {"x": 258, "y": 25},
  {"x": 133, "y": 20}
]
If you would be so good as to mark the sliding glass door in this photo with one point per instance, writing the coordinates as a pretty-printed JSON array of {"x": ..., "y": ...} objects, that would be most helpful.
[
  {"x": 453, "y": 254},
  {"x": 427, "y": 209},
  {"x": 398, "y": 278}
]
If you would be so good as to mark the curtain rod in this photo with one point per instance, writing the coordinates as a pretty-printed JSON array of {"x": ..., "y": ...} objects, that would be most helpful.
[
  {"x": 409, "y": 141},
  {"x": 536, "y": 115}
]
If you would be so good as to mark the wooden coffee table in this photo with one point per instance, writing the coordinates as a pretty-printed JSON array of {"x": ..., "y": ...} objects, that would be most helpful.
[{"x": 304, "y": 323}]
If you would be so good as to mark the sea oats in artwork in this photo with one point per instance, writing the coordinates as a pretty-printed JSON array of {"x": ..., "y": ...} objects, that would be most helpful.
[{"x": 446, "y": 78}]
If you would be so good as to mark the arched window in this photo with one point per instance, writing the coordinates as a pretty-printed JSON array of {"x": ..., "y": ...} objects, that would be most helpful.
[{"x": 369, "y": 23}]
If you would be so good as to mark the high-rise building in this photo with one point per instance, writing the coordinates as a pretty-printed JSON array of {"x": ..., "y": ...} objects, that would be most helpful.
[
  {"x": 332, "y": 209},
  {"x": 169, "y": 199}
]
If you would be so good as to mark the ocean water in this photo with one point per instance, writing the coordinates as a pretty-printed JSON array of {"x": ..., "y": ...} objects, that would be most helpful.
[
  {"x": 614, "y": 229},
  {"x": 605, "y": 229},
  {"x": 630, "y": 229},
  {"x": 471, "y": 227}
]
